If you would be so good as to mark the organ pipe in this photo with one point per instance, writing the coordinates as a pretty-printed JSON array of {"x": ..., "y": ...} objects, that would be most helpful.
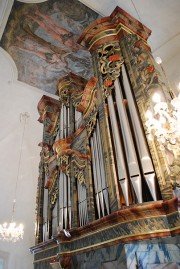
[
  {"x": 145, "y": 158},
  {"x": 118, "y": 149},
  {"x": 128, "y": 143}
]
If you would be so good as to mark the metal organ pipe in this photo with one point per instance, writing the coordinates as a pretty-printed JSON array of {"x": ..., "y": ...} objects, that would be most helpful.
[
  {"x": 95, "y": 177},
  {"x": 99, "y": 179},
  {"x": 78, "y": 118},
  {"x": 81, "y": 188},
  {"x": 61, "y": 194},
  {"x": 103, "y": 172},
  {"x": 61, "y": 123},
  {"x": 65, "y": 200},
  {"x": 128, "y": 143},
  {"x": 63, "y": 180},
  {"x": 45, "y": 209},
  {"x": 82, "y": 204},
  {"x": 68, "y": 178},
  {"x": 61, "y": 220},
  {"x": 146, "y": 162},
  {"x": 99, "y": 174},
  {"x": 118, "y": 150}
]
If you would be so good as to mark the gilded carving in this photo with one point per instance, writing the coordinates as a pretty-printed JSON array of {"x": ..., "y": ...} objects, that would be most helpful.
[
  {"x": 49, "y": 115},
  {"x": 51, "y": 181},
  {"x": 90, "y": 123},
  {"x": 45, "y": 154},
  {"x": 66, "y": 153},
  {"x": 64, "y": 164},
  {"x": 71, "y": 86},
  {"x": 54, "y": 196},
  {"x": 110, "y": 65},
  {"x": 80, "y": 175},
  {"x": 88, "y": 100},
  {"x": 79, "y": 164}
]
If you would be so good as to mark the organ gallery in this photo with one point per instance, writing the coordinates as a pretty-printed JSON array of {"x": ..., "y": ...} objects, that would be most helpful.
[{"x": 105, "y": 192}]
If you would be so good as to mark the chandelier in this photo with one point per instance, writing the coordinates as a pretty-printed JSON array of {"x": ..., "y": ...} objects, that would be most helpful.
[
  {"x": 163, "y": 120},
  {"x": 11, "y": 232}
]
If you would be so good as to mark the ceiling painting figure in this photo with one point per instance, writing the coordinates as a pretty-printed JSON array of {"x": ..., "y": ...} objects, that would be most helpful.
[{"x": 42, "y": 40}]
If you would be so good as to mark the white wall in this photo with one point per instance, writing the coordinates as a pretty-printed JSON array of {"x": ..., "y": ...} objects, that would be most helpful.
[{"x": 16, "y": 97}]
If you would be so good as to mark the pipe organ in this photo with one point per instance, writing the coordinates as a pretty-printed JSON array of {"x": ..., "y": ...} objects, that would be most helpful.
[
  {"x": 77, "y": 187},
  {"x": 96, "y": 163}
]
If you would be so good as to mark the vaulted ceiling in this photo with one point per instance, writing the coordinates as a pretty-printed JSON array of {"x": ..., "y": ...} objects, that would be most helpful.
[{"x": 161, "y": 16}]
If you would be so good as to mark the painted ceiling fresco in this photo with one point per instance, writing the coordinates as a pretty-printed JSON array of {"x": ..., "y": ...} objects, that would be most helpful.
[{"x": 41, "y": 39}]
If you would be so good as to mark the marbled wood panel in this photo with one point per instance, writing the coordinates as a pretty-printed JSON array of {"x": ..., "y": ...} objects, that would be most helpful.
[
  {"x": 42, "y": 265},
  {"x": 39, "y": 202},
  {"x": 144, "y": 221},
  {"x": 94, "y": 259},
  {"x": 141, "y": 254},
  {"x": 129, "y": 256},
  {"x": 47, "y": 252}
]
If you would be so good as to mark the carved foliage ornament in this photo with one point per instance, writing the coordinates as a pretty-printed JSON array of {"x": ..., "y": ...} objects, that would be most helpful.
[
  {"x": 71, "y": 86},
  {"x": 65, "y": 154},
  {"x": 52, "y": 185},
  {"x": 62, "y": 147},
  {"x": 54, "y": 195},
  {"x": 110, "y": 65},
  {"x": 91, "y": 122},
  {"x": 79, "y": 165},
  {"x": 49, "y": 115}
]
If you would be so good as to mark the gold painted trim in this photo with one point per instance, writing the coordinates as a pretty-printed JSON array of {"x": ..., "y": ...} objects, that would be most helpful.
[
  {"x": 109, "y": 241},
  {"x": 120, "y": 26},
  {"x": 114, "y": 239},
  {"x": 173, "y": 213},
  {"x": 105, "y": 242},
  {"x": 45, "y": 249},
  {"x": 48, "y": 258},
  {"x": 112, "y": 226},
  {"x": 89, "y": 234}
]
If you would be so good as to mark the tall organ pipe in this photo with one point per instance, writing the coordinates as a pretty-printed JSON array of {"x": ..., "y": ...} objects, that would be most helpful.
[
  {"x": 146, "y": 162},
  {"x": 95, "y": 177},
  {"x": 128, "y": 142},
  {"x": 99, "y": 179},
  {"x": 118, "y": 149},
  {"x": 103, "y": 172},
  {"x": 68, "y": 178}
]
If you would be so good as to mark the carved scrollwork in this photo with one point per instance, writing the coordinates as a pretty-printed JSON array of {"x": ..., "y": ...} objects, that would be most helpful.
[
  {"x": 64, "y": 92},
  {"x": 110, "y": 65},
  {"x": 79, "y": 174},
  {"x": 78, "y": 161},
  {"x": 71, "y": 87},
  {"x": 54, "y": 196},
  {"x": 64, "y": 164},
  {"x": 62, "y": 148},
  {"x": 45, "y": 155},
  {"x": 90, "y": 123},
  {"x": 49, "y": 115}
]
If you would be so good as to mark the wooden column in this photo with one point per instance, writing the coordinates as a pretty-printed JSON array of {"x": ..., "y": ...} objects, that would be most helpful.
[{"x": 48, "y": 109}]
